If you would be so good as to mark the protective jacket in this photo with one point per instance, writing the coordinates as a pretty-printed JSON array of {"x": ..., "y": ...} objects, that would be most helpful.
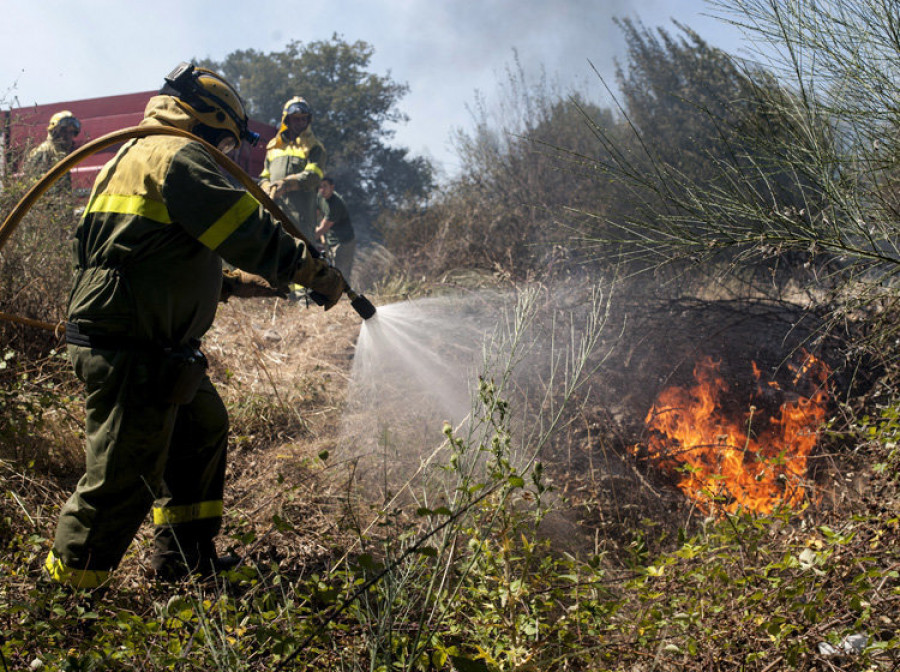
[
  {"x": 42, "y": 158},
  {"x": 302, "y": 160},
  {"x": 158, "y": 223},
  {"x": 149, "y": 253}
]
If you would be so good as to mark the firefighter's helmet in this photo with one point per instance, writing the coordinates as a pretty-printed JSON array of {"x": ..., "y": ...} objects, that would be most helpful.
[
  {"x": 63, "y": 119},
  {"x": 296, "y": 105},
  {"x": 213, "y": 102}
]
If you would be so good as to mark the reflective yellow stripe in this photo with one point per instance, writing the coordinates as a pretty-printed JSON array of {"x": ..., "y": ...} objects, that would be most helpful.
[
  {"x": 286, "y": 151},
  {"x": 314, "y": 168},
  {"x": 236, "y": 215},
  {"x": 130, "y": 205},
  {"x": 78, "y": 578},
  {"x": 173, "y": 515}
]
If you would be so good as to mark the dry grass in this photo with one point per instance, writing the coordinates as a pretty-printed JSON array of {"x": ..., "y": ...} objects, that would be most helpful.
[{"x": 283, "y": 370}]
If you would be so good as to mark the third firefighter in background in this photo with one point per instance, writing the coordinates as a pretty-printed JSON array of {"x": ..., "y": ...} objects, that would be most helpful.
[{"x": 336, "y": 228}]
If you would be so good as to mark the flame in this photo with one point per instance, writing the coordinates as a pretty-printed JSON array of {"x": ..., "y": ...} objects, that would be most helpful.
[{"x": 756, "y": 461}]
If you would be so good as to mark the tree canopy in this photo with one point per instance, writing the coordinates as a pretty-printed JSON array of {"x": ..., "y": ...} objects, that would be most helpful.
[
  {"x": 354, "y": 111},
  {"x": 718, "y": 156}
]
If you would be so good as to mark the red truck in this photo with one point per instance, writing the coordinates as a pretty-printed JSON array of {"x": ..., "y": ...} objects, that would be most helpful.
[{"x": 23, "y": 128}]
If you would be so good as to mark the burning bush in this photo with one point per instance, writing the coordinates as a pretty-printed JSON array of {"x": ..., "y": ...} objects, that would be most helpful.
[{"x": 754, "y": 458}]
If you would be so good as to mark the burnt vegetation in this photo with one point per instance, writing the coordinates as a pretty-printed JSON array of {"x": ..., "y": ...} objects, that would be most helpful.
[{"x": 725, "y": 209}]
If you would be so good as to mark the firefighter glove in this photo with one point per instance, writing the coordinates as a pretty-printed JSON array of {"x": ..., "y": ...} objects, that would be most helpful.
[
  {"x": 241, "y": 284},
  {"x": 326, "y": 282},
  {"x": 272, "y": 188}
]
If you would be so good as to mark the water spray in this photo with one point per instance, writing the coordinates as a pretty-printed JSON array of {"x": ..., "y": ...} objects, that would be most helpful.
[{"x": 358, "y": 302}]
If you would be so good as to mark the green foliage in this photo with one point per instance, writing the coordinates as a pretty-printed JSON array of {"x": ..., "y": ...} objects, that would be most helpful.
[
  {"x": 681, "y": 95},
  {"x": 881, "y": 435},
  {"x": 466, "y": 581},
  {"x": 37, "y": 410},
  {"x": 713, "y": 156},
  {"x": 515, "y": 209},
  {"x": 758, "y": 599},
  {"x": 39, "y": 420},
  {"x": 745, "y": 593},
  {"x": 354, "y": 111},
  {"x": 35, "y": 268},
  {"x": 788, "y": 164}
]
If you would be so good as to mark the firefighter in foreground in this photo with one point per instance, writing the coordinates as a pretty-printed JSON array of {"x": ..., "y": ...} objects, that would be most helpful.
[
  {"x": 294, "y": 166},
  {"x": 149, "y": 250},
  {"x": 62, "y": 130}
]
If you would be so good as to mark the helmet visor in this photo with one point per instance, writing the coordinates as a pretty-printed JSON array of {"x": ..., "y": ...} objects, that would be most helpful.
[
  {"x": 69, "y": 122},
  {"x": 297, "y": 108}
]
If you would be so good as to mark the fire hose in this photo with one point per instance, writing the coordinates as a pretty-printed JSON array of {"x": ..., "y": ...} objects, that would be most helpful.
[{"x": 360, "y": 303}]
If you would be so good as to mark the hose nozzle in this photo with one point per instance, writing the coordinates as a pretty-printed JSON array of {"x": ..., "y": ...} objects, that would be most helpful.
[{"x": 361, "y": 305}]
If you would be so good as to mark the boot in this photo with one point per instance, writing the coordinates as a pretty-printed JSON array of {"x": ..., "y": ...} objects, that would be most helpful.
[
  {"x": 211, "y": 563},
  {"x": 179, "y": 555},
  {"x": 176, "y": 570}
]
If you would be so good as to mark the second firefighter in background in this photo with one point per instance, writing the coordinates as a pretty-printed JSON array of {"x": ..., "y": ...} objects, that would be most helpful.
[
  {"x": 294, "y": 166},
  {"x": 62, "y": 130}
]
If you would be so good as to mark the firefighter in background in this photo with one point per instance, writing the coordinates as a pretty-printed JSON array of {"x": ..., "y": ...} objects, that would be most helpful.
[
  {"x": 336, "y": 228},
  {"x": 62, "y": 130},
  {"x": 149, "y": 252},
  {"x": 294, "y": 165}
]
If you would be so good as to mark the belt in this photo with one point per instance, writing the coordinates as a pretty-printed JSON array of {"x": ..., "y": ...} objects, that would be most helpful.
[{"x": 74, "y": 336}]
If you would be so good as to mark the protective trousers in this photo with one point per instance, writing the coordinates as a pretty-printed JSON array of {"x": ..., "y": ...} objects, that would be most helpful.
[
  {"x": 343, "y": 256},
  {"x": 140, "y": 451}
]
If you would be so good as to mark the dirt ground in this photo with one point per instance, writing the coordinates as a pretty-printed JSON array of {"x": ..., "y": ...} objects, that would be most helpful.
[{"x": 288, "y": 351}]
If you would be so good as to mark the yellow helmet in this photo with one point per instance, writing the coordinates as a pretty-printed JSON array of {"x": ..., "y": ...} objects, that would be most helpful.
[
  {"x": 213, "y": 102},
  {"x": 64, "y": 119},
  {"x": 296, "y": 105}
]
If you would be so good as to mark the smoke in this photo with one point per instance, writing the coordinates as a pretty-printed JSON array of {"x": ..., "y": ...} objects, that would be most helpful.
[
  {"x": 557, "y": 35},
  {"x": 452, "y": 51},
  {"x": 444, "y": 51},
  {"x": 456, "y": 361}
]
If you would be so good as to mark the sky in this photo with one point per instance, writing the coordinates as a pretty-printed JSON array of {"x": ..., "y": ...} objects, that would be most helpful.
[{"x": 444, "y": 50}]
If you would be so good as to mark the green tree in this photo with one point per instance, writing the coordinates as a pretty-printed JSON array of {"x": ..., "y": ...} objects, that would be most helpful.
[
  {"x": 353, "y": 109},
  {"x": 527, "y": 168},
  {"x": 682, "y": 95},
  {"x": 715, "y": 155}
]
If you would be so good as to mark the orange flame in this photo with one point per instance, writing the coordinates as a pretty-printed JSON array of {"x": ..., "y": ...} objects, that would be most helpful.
[{"x": 752, "y": 462}]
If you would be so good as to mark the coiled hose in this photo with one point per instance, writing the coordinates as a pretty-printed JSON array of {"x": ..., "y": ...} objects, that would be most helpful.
[{"x": 360, "y": 303}]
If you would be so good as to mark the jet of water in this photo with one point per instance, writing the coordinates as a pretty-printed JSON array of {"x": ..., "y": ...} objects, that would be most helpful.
[{"x": 413, "y": 371}]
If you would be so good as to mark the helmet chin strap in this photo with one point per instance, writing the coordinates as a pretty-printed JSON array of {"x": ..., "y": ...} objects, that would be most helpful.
[{"x": 215, "y": 137}]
